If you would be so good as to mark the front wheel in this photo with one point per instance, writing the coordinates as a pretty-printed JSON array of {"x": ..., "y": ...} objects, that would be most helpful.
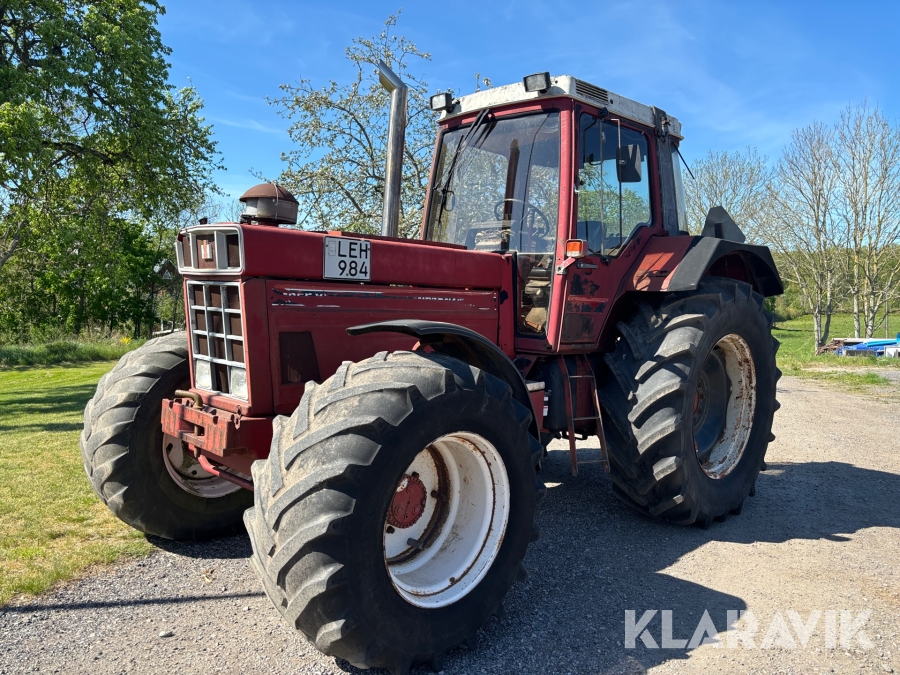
[
  {"x": 395, "y": 508},
  {"x": 143, "y": 476},
  {"x": 689, "y": 399}
]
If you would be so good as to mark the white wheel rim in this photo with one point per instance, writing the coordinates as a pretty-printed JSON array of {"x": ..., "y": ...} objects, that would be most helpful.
[
  {"x": 460, "y": 530},
  {"x": 189, "y": 475},
  {"x": 739, "y": 411}
]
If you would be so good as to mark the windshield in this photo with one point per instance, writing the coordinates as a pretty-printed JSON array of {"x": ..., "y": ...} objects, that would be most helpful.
[{"x": 503, "y": 193}]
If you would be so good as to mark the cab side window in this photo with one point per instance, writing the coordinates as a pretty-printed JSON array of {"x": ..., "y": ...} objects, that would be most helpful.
[{"x": 613, "y": 184}]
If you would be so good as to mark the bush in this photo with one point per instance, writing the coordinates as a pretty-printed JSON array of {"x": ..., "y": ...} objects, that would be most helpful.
[{"x": 64, "y": 351}]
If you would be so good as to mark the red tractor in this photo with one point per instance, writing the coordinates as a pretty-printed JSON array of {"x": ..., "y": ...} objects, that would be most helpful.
[{"x": 382, "y": 405}]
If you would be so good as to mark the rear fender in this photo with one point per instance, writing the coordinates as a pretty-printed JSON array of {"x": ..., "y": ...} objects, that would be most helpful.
[
  {"x": 462, "y": 344},
  {"x": 721, "y": 257},
  {"x": 671, "y": 264}
]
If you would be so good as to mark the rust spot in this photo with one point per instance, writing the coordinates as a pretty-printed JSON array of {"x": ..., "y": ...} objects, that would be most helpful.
[
  {"x": 578, "y": 327},
  {"x": 577, "y": 287},
  {"x": 582, "y": 286}
]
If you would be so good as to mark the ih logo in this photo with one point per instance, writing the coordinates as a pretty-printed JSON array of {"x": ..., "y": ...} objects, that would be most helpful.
[{"x": 836, "y": 627}]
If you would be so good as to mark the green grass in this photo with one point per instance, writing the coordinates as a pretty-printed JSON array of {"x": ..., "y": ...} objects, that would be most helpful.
[
  {"x": 796, "y": 356},
  {"x": 65, "y": 351},
  {"x": 52, "y": 525}
]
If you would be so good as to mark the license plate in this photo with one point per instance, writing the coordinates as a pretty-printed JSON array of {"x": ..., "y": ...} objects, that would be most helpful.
[{"x": 347, "y": 258}]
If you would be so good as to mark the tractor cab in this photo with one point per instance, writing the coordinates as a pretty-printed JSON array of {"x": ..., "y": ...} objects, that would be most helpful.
[{"x": 550, "y": 171}]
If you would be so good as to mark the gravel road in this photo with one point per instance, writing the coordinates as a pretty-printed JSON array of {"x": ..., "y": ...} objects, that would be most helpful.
[{"x": 821, "y": 534}]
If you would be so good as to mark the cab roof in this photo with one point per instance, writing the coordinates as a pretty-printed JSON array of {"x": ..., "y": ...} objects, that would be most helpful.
[{"x": 561, "y": 85}]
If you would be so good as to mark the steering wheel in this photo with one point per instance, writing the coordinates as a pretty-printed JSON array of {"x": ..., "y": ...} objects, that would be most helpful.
[{"x": 531, "y": 212}]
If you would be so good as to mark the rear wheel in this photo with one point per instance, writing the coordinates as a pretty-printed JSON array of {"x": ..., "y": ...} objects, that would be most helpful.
[
  {"x": 689, "y": 401},
  {"x": 395, "y": 508},
  {"x": 143, "y": 476}
]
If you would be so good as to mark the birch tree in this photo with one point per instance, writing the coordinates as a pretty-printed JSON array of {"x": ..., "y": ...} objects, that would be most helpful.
[
  {"x": 737, "y": 181},
  {"x": 802, "y": 225},
  {"x": 868, "y": 165}
]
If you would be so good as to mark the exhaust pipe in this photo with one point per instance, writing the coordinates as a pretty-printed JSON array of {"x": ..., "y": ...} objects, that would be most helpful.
[{"x": 390, "y": 217}]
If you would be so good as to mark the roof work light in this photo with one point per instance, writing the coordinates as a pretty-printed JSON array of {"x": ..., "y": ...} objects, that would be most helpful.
[
  {"x": 442, "y": 101},
  {"x": 539, "y": 82}
]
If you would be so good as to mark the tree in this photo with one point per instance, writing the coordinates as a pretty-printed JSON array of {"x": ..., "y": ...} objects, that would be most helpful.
[
  {"x": 737, "y": 181},
  {"x": 89, "y": 272},
  {"x": 84, "y": 101},
  {"x": 801, "y": 226},
  {"x": 336, "y": 171},
  {"x": 868, "y": 165}
]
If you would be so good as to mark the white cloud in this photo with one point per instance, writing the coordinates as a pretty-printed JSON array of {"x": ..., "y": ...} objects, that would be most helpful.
[{"x": 249, "y": 125}]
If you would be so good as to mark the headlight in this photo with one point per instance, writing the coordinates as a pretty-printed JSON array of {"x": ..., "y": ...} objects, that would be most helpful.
[
  {"x": 202, "y": 375},
  {"x": 237, "y": 382}
]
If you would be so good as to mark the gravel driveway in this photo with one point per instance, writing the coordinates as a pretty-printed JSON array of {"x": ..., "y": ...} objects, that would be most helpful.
[{"x": 821, "y": 534}]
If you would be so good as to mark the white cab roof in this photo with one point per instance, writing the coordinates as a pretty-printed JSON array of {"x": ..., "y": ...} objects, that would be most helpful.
[{"x": 562, "y": 85}]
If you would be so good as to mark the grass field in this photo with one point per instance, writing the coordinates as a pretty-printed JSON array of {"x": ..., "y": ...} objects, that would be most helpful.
[
  {"x": 65, "y": 351},
  {"x": 796, "y": 356},
  {"x": 52, "y": 525}
]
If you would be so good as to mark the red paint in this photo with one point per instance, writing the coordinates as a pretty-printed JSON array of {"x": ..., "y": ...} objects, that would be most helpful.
[
  {"x": 567, "y": 214},
  {"x": 537, "y": 402},
  {"x": 295, "y": 254},
  {"x": 326, "y": 310},
  {"x": 408, "y": 504},
  {"x": 282, "y": 291},
  {"x": 216, "y": 431},
  {"x": 507, "y": 300},
  {"x": 656, "y": 263}
]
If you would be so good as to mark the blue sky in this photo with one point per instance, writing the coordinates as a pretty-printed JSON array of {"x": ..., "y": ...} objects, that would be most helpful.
[{"x": 736, "y": 74}]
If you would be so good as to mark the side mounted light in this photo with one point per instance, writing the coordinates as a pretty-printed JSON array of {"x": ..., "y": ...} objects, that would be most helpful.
[
  {"x": 539, "y": 82},
  {"x": 443, "y": 101},
  {"x": 576, "y": 248}
]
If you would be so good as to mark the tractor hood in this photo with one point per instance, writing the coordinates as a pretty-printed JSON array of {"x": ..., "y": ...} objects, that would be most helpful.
[{"x": 239, "y": 250}]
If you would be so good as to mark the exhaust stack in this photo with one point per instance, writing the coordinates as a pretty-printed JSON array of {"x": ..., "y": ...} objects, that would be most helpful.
[{"x": 390, "y": 219}]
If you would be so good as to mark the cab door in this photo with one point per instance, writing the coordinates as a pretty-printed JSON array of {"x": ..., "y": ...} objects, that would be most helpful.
[{"x": 614, "y": 212}]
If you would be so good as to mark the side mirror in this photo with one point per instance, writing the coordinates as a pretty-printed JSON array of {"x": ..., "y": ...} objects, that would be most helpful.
[{"x": 628, "y": 164}]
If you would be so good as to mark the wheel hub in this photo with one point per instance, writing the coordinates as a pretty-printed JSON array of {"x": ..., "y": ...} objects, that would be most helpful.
[
  {"x": 724, "y": 406},
  {"x": 446, "y": 520},
  {"x": 409, "y": 502},
  {"x": 187, "y": 473},
  {"x": 710, "y": 403}
]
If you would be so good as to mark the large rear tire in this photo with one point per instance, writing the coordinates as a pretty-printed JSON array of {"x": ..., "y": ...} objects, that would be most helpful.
[
  {"x": 688, "y": 402},
  {"x": 143, "y": 476},
  {"x": 395, "y": 508}
]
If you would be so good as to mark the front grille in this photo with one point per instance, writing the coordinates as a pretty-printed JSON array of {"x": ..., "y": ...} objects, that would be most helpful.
[
  {"x": 217, "y": 337},
  {"x": 590, "y": 91}
]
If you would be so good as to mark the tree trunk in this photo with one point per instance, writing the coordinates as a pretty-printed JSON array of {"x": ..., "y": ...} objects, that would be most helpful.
[
  {"x": 817, "y": 327},
  {"x": 829, "y": 308}
]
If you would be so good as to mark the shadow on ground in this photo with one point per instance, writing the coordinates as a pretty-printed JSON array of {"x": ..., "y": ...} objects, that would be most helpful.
[
  {"x": 597, "y": 559},
  {"x": 69, "y": 399}
]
